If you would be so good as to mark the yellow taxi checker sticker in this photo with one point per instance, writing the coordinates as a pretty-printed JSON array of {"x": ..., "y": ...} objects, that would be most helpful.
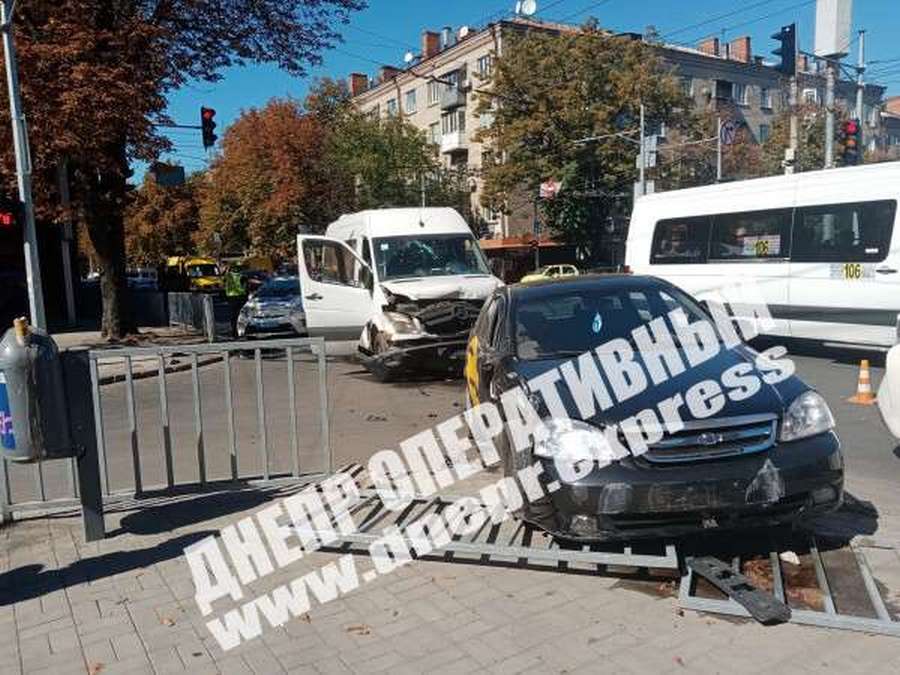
[{"x": 472, "y": 369}]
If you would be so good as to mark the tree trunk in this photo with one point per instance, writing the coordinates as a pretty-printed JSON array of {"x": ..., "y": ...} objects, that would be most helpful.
[
  {"x": 109, "y": 243},
  {"x": 104, "y": 199}
]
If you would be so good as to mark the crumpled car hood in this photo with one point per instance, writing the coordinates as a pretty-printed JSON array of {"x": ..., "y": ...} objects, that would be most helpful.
[{"x": 438, "y": 288}]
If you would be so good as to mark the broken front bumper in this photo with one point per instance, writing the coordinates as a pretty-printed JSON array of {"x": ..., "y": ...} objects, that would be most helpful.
[
  {"x": 634, "y": 499},
  {"x": 429, "y": 353}
]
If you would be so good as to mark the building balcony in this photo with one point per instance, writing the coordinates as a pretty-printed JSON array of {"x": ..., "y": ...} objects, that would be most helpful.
[
  {"x": 452, "y": 98},
  {"x": 455, "y": 141}
]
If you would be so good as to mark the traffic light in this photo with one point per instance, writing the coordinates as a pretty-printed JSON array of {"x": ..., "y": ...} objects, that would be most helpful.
[
  {"x": 787, "y": 52},
  {"x": 850, "y": 136},
  {"x": 9, "y": 213},
  {"x": 208, "y": 125}
]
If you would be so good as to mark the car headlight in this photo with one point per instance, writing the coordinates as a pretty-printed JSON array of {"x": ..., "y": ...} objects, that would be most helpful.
[
  {"x": 403, "y": 324},
  {"x": 808, "y": 415},
  {"x": 572, "y": 441}
]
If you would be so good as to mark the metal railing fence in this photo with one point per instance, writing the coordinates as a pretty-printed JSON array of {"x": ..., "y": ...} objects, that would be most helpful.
[{"x": 302, "y": 372}]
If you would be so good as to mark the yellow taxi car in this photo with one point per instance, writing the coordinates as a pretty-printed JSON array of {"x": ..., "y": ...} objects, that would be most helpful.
[{"x": 550, "y": 272}]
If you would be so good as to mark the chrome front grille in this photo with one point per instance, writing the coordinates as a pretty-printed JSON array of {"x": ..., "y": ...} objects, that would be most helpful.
[{"x": 714, "y": 439}]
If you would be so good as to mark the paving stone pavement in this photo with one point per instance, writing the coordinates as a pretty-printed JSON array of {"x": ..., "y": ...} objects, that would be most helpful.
[{"x": 125, "y": 605}]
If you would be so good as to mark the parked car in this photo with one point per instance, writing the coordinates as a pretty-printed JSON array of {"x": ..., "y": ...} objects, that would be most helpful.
[
  {"x": 550, "y": 272},
  {"x": 407, "y": 283},
  {"x": 274, "y": 310},
  {"x": 761, "y": 460},
  {"x": 142, "y": 278},
  {"x": 192, "y": 273}
]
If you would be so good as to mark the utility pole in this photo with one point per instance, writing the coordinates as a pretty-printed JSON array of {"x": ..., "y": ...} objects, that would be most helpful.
[
  {"x": 829, "y": 113},
  {"x": 23, "y": 169},
  {"x": 422, "y": 187},
  {"x": 62, "y": 176},
  {"x": 790, "y": 155},
  {"x": 861, "y": 89},
  {"x": 718, "y": 149},
  {"x": 643, "y": 160}
]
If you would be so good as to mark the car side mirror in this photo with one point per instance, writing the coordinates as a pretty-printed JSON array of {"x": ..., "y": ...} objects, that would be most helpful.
[{"x": 490, "y": 358}]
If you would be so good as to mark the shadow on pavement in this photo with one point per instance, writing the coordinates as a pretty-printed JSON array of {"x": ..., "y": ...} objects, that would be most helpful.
[
  {"x": 834, "y": 353},
  {"x": 33, "y": 581},
  {"x": 855, "y": 517},
  {"x": 180, "y": 512}
]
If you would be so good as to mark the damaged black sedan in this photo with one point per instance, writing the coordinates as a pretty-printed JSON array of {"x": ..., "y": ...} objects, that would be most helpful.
[{"x": 656, "y": 420}]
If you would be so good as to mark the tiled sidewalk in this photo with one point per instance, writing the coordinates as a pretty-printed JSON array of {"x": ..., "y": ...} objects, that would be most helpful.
[{"x": 126, "y": 606}]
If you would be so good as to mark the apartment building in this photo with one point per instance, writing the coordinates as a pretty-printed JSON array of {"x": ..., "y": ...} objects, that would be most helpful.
[{"x": 436, "y": 93}]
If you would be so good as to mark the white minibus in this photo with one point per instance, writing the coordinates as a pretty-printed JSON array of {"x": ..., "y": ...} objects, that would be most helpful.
[
  {"x": 822, "y": 246},
  {"x": 407, "y": 282}
]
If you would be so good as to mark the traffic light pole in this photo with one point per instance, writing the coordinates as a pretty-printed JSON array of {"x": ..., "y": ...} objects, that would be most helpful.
[
  {"x": 829, "y": 114},
  {"x": 23, "y": 169},
  {"x": 860, "y": 84},
  {"x": 791, "y": 157}
]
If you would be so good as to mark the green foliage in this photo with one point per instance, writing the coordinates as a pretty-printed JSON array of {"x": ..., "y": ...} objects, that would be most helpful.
[
  {"x": 549, "y": 91},
  {"x": 810, "y": 137}
]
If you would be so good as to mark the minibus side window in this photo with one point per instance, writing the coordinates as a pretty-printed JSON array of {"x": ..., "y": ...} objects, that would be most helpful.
[
  {"x": 859, "y": 232},
  {"x": 680, "y": 241},
  {"x": 751, "y": 235}
]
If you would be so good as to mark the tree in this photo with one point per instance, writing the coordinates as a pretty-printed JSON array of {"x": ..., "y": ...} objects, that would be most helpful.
[
  {"x": 384, "y": 159},
  {"x": 95, "y": 75},
  {"x": 810, "y": 137},
  {"x": 549, "y": 91},
  {"x": 271, "y": 178},
  {"x": 160, "y": 220},
  {"x": 688, "y": 156}
]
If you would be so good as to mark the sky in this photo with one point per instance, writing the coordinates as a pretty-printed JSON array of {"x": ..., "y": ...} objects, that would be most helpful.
[{"x": 384, "y": 31}]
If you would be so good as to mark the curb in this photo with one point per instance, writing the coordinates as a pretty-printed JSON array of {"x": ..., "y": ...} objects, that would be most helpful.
[{"x": 141, "y": 375}]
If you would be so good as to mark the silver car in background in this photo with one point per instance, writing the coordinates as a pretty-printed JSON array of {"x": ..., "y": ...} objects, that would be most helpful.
[{"x": 274, "y": 310}]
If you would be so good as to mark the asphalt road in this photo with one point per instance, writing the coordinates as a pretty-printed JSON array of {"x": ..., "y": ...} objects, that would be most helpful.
[{"x": 367, "y": 416}]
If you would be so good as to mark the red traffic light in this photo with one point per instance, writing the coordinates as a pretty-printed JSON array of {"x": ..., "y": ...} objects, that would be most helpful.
[
  {"x": 207, "y": 113},
  {"x": 851, "y": 127},
  {"x": 7, "y": 219}
]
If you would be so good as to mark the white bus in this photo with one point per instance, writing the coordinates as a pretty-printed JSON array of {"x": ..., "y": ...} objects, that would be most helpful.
[{"x": 823, "y": 247}]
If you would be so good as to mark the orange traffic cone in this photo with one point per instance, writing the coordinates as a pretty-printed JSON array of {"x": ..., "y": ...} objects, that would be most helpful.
[{"x": 864, "y": 394}]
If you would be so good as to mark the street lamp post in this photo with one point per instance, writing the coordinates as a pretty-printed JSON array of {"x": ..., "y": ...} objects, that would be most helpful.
[{"x": 23, "y": 168}]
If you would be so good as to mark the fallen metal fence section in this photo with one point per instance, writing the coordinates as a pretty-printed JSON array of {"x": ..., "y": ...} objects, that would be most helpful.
[
  {"x": 510, "y": 541},
  {"x": 882, "y": 623},
  {"x": 93, "y": 406}
]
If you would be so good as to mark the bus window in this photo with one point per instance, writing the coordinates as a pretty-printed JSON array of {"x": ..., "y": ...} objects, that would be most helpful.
[
  {"x": 680, "y": 240},
  {"x": 844, "y": 232},
  {"x": 751, "y": 235}
]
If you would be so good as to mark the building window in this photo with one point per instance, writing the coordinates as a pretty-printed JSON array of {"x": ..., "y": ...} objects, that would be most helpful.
[
  {"x": 810, "y": 96},
  {"x": 765, "y": 98},
  {"x": 434, "y": 133},
  {"x": 453, "y": 122},
  {"x": 687, "y": 86},
  {"x": 391, "y": 107},
  {"x": 434, "y": 92},
  {"x": 375, "y": 111},
  {"x": 763, "y": 133},
  {"x": 739, "y": 93},
  {"x": 410, "y": 102},
  {"x": 724, "y": 89},
  {"x": 485, "y": 65}
]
